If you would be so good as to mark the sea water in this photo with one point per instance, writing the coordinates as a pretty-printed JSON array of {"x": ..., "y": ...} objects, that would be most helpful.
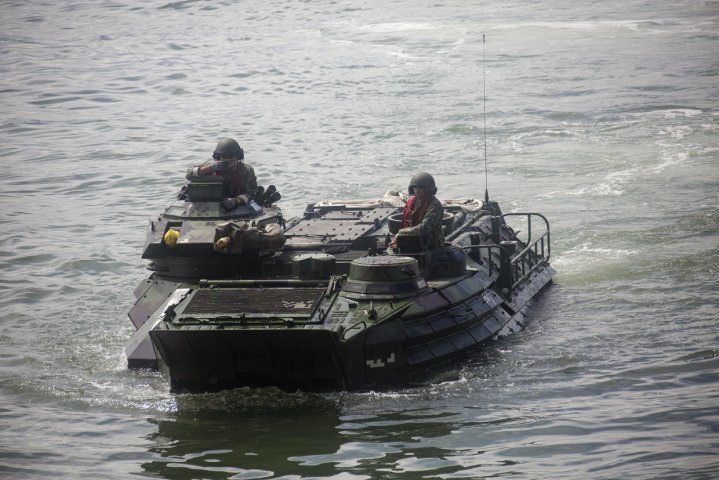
[{"x": 603, "y": 116}]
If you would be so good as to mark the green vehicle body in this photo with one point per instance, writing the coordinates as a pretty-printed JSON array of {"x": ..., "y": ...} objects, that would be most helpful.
[{"x": 321, "y": 302}]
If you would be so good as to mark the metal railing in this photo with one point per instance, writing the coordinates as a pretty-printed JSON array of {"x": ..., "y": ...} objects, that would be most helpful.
[
  {"x": 529, "y": 232},
  {"x": 477, "y": 248},
  {"x": 536, "y": 252}
]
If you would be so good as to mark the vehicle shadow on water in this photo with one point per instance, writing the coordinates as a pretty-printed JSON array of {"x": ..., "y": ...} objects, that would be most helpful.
[
  {"x": 244, "y": 433},
  {"x": 269, "y": 433}
]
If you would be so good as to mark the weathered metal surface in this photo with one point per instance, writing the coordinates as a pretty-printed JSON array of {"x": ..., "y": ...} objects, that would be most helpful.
[
  {"x": 250, "y": 301},
  {"x": 205, "y": 359}
]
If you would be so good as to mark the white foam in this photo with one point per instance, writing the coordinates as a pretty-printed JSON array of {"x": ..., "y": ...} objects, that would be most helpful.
[
  {"x": 612, "y": 186},
  {"x": 632, "y": 25},
  {"x": 669, "y": 160},
  {"x": 393, "y": 27},
  {"x": 585, "y": 255},
  {"x": 677, "y": 132},
  {"x": 671, "y": 113},
  {"x": 603, "y": 252}
]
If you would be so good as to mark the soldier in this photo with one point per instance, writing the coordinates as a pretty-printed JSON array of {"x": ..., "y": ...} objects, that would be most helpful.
[
  {"x": 240, "y": 180},
  {"x": 423, "y": 212}
]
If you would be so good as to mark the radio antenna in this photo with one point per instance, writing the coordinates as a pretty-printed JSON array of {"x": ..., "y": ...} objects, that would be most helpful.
[{"x": 484, "y": 116}]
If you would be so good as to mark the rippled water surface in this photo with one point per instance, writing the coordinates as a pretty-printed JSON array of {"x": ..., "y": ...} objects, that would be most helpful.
[{"x": 603, "y": 116}]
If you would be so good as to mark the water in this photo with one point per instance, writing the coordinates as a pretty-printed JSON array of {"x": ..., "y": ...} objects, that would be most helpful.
[{"x": 603, "y": 116}]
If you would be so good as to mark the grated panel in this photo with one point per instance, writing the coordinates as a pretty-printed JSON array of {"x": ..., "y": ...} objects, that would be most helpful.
[{"x": 254, "y": 300}]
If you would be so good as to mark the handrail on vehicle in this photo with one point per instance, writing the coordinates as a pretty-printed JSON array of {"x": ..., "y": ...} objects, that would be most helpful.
[
  {"x": 526, "y": 261},
  {"x": 529, "y": 242},
  {"x": 535, "y": 253},
  {"x": 489, "y": 248}
]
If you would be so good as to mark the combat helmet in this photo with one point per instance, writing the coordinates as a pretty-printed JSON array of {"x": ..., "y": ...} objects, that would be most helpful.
[
  {"x": 228, "y": 147},
  {"x": 422, "y": 179}
]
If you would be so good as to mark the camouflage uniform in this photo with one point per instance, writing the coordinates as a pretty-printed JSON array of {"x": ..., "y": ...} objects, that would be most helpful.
[
  {"x": 430, "y": 227},
  {"x": 240, "y": 184}
]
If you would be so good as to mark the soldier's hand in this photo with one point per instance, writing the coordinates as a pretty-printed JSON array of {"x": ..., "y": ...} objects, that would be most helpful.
[
  {"x": 229, "y": 203},
  {"x": 218, "y": 167}
]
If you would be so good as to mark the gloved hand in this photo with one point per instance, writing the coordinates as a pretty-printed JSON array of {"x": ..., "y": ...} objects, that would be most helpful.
[
  {"x": 229, "y": 203},
  {"x": 218, "y": 168}
]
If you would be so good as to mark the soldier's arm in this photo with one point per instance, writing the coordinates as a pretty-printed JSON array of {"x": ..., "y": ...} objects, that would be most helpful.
[
  {"x": 200, "y": 170},
  {"x": 249, "y": 187}
]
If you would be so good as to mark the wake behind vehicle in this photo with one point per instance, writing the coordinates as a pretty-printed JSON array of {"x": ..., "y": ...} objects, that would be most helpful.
[{"x": 321, "y": 302}]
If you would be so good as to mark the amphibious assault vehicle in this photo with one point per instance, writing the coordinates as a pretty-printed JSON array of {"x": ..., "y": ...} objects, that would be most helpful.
[{"x": 320, "y": 302}]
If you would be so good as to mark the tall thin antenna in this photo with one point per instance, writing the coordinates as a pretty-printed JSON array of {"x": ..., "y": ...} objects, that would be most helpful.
[{"x": 484, "y": 116}]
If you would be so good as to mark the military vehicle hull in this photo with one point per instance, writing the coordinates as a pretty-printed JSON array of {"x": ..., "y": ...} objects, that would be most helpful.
[{"x": 332, "y": 307}]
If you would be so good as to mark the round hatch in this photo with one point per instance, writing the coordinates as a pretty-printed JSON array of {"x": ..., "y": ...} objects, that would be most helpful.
[
  {"x": 384, "y": 276},
  {"x": 383, "y": 269}
]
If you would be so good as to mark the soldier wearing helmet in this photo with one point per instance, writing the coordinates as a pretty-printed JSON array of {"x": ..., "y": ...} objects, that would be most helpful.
[
  {"x": 240, "y": 180},
  {"x": 423, "y": 212}
]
